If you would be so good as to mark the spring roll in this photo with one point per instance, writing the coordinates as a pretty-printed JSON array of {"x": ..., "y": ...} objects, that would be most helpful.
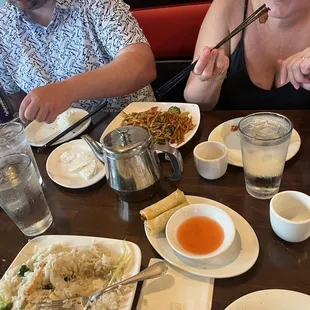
[
  {"x": 163, "y": 205},
  {"x": 158, "y": 224}
]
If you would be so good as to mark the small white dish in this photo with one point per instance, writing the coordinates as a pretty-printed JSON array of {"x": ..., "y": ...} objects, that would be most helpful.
[
  {"x": 211, "y": 159},
  {"x": 58, "y": 172},
  {"x": 238, "y": 259},
  {"x": 38, "y": 134},
  {"x": 290, "y": 216},
  {"x": 113, "y": 246},
  {"x": 193, "y": 109},
  {"x": 272, "y": 300},
  {"x": 205, "y": 210},
  {"x": 231, "y": 139},
  {"x": 176, "y": 290}
]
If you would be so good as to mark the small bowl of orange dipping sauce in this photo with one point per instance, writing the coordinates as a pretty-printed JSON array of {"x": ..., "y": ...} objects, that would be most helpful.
[{"x": 200, "y": 231}]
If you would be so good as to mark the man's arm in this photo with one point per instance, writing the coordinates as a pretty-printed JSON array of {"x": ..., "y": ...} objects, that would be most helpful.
[{"x": 133, "y": 68}]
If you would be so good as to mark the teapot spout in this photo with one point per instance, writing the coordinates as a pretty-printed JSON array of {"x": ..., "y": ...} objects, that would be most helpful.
[{"x": 95, "y": 146}]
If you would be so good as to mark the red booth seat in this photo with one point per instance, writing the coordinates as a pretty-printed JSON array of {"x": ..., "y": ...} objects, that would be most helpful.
[{"x": 172, "y": 30}]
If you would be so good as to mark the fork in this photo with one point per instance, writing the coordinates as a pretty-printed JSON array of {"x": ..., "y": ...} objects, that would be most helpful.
[{"x": 154, "y": 271}]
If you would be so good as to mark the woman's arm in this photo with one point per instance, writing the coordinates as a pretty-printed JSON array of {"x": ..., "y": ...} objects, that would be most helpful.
[{"x": 204, "y": 84}]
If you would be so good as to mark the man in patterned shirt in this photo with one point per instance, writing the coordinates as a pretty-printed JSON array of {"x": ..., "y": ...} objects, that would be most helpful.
[{"x": 72, "y": 52}]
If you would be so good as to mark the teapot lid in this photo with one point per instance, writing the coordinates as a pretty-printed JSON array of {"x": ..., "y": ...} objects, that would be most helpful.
[{"x": 125, "y": 139}]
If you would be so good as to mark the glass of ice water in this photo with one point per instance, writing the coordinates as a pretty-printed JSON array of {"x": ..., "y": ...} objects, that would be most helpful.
[
  {"x": 13, "y": 140},
  {"x": 265, "y": 138},
  {"x": 21, "y": 195}
]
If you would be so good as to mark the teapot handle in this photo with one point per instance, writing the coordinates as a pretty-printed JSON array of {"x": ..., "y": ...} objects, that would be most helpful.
[{"x": 175, "y": 159}]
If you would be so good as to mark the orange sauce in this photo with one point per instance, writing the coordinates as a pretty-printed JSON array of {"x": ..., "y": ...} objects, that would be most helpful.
[{"x": 200, "y": 235}]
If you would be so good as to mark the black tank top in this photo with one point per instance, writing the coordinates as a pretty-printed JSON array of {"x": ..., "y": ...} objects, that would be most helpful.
[{"x": 239, "y": 93}]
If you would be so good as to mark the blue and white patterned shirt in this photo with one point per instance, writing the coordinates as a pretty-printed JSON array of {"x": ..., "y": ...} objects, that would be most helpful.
[{"x": 82, "y": 36}]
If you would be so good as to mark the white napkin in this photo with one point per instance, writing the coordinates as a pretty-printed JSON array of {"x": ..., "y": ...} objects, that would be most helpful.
[{"x": 176, "y": 290}]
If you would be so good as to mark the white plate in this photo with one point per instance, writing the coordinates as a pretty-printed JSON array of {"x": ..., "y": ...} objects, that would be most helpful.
[
  {"x": 114, "y": 246},
  {"x": 231, "y": 139},
  {"x": 38, "y": 134},
  {"x": 176, "y": 290},
  {"x": 58, "y": 171},
  {"x": 239, "y": 258},
  {"x": 272, "y": 300},
  {"x": 193, "y": 109}
]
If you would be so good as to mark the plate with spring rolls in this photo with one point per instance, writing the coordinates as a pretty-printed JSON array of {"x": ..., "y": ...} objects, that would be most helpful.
[
  {"x": 239, "y": 257},
  {"x": 173, "y": 123}
]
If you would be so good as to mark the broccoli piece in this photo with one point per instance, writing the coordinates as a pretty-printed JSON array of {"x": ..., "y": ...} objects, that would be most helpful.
[
  {"x": 6, "y": 306},
  {"x": 23, "y": 269},
  {"x": 174, "y": 109},
  {"x": 169, "y": 130},
  {"x": 160, "y": 141}
]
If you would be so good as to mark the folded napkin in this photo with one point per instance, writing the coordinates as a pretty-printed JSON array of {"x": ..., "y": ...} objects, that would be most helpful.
[{"x": 176, "y": 290}]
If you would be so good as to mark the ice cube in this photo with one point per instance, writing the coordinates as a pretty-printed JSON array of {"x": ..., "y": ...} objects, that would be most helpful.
[{"x": 265, "y": 129}]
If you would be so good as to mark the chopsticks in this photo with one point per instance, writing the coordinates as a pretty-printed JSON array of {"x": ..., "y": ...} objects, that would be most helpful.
[
  {"x": 79, "y": 122},
  {"x": 161, "y": 91}
]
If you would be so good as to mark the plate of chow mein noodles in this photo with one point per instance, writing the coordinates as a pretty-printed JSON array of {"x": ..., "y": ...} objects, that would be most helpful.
[{"x": 173, "y": 123}]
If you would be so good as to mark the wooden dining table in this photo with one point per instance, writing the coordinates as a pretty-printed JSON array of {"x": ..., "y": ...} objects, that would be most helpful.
[{"x": 97, "y": 211}]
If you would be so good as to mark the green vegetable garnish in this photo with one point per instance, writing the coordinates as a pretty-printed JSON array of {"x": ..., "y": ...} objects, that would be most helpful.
[
  {"x": 121, "y": 263},
  {"x": 23, "y": 269},
  {"x": 169, "y": 130},
  {"x": 174, "y": 109},
  {"x": 160, "y": 141},
  {"x": 5, "y": 305}
]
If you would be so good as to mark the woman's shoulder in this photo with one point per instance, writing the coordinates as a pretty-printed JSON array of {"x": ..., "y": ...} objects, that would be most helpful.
[
  {"x": 230, "y": 13},
  {"x": 224, "y": 16},
  {"x": 230, "y": 10}
]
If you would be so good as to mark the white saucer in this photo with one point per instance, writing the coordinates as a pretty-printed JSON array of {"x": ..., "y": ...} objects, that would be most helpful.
[
  {"x": 58, "y": 171},
  {"x": 38, "y": 134},
  {"x": 231, "y": 139},
  {"x": 272, "y": 300},
  {"x": 239, "y": 258}
]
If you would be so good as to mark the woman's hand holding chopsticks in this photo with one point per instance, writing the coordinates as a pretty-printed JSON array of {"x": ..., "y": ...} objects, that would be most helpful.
[{"x": 212, "y": 65}]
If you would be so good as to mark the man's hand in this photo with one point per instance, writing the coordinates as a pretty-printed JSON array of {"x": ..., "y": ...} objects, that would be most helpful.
[
  {"x": 296, "y": 69},
  {"x": 45, "y": 103}
]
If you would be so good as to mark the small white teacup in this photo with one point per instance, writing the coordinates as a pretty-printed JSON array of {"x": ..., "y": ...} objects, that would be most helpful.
[
  {"x": 211, "y": 159},
  {"x": 290, "y": 216}
]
